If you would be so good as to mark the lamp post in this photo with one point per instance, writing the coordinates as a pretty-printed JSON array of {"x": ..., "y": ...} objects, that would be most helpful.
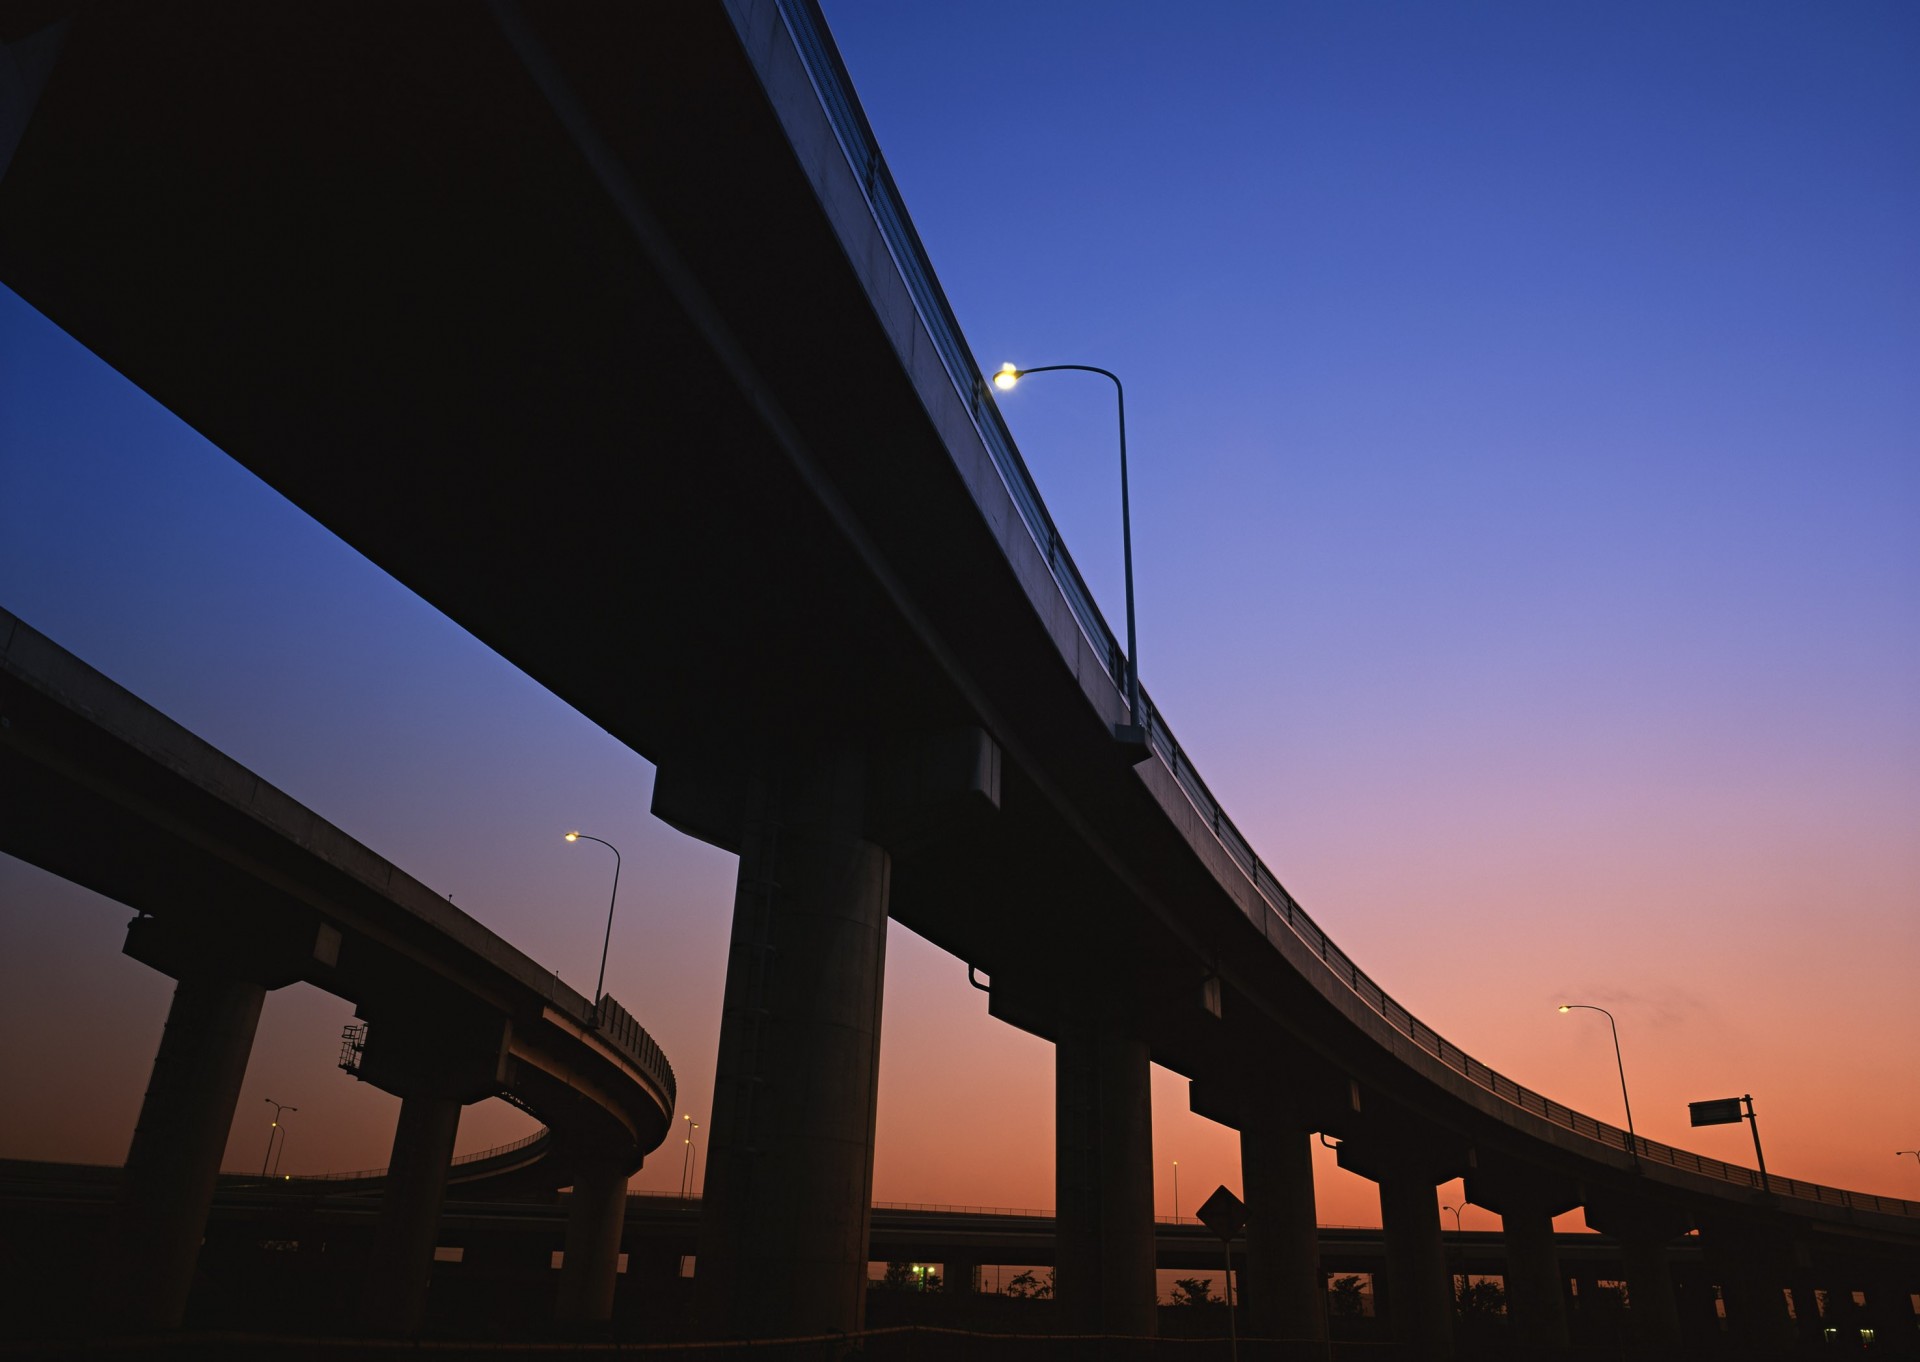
[
  {"x": 1131, "y": 734},
  {"x": 272, "y": 1131},
  {"x": 577, "y": 836},
  {"x": 1915, "y": 1152},
  {"x": 686, "y": 1159},
  {"x": 1460, "y": 1279},
  {"x": 1176, "y": 1191},
  {"x": 1633, "y": 1144}
]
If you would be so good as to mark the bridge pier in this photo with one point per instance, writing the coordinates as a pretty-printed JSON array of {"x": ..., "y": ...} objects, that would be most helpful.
[
  {"x": 409, "y": 1223},
  {"x": 784, "y": 1220},
  {"x": 1408, "y": 1162},
  {"x": 1103, "y": 1177},
  {"x": 1644, "y": 1229},
  {"x": 960, "y": 1276},
  {"x": 153, "y": 1237},
  {"x": 1754, "y": 1265},
  {"x": 1527, "y": 1200},
  {"x": 436, "y": 1053},
  {"x": 1889, "y": 1310},
  {"x": 596, "y": 1215},
  {"x": 1285, "y": 1293}
]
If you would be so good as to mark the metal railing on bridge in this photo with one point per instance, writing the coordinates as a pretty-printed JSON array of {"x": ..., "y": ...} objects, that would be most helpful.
[
  {"x": 831, "y": 83},
  {"x": 536, "y": 1143}
]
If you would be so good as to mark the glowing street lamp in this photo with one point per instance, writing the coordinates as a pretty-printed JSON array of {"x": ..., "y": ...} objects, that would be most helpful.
[
  {"x": 1633, "y": 1145},
  {"x": 1176, "y": 1191},
  {"x": 1131, "y": 734},
  {"x": 272, "y": 1130},
  {"x": 600, "y": 983},
  {"x": 686, "y": 1158}
]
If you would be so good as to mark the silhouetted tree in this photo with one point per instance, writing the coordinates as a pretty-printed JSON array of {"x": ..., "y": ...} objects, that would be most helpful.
[
  {"x": 1026, "y": 1286},
  {"x": 1481, "y": 1299},
  {"x": 1343, "y": 1297},
  {"x": 1195, "y": 1291}
]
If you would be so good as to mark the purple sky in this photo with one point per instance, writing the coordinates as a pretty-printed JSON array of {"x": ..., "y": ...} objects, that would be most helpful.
[{"x": 1526, "y": 460}]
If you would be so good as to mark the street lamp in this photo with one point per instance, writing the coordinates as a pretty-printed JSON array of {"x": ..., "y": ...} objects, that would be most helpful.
[
  {"x": 1915, "y": 1152},
  {"x": 1460, "y": 1279},
  {"x": 1633, "y": 1145},
  {"x": 1176, "y": 1191},
  {"x": 1131, "y": 734},
  {"x": 273, "y": 1130},
  {"x": 686, "y": 1158},
  {"x": 576, "y": 836}
]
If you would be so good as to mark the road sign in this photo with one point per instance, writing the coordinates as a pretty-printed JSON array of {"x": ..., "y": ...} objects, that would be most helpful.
[
  {"x": 1721, "y": 1111},
  {"x": 1224, "y": 1213}
]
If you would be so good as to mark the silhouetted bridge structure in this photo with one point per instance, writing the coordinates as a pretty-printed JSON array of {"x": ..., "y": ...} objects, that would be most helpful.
[
  {"x": 521, "y": 298},
  {"x": 239, "y": 890}
]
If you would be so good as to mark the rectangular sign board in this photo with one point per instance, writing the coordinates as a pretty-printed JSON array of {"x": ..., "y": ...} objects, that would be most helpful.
[{"x": 1721, "y": 1111}]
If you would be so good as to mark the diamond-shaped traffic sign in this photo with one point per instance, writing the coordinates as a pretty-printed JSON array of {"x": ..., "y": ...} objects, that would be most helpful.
[{"x": 1224, "y": 1213}]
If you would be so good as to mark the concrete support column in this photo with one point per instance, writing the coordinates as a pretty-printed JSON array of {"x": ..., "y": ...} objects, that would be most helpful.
[
  {"x": 1653, "y": 1308},
  {"x": 1285, "y": 1293},
  {"x": 1753, "y": 1268},
  {"x": 1103, "y": 1179},
  {"x": 409, "y": 1224},
  {"x": 1806, "y": 1310},
  {"x": 1420, "y": 1292},
  {"x": 1889, "y": 1311},
  {"x": 960, "y": 1276},
  {"x": 596, "y": 1215},
  {"x": 167, "y": 1188},
  {"x": 784, "y": 1222},
  {"x": 1536, "y": 1285},
  {"x": 1644, "y": 1229}
]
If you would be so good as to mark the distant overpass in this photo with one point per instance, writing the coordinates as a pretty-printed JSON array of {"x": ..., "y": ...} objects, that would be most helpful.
[
  {"x": 659, "y": 248},
  {"x": 239, "y": 889},
  {"x": 275, "y": 1250}
]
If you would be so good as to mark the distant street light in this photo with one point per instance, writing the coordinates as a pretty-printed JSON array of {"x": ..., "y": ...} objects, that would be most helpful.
[
  {"x": 686, "y": 1158},
  {"x": 600, "y": 983},
  {"x": 1460, "y": 1278},
  {"x": 1633, "y": 1145},
  {"x": 1176, "y": 1191},
  {"x": 1915, "y": 1152},
  {"x": 1131, "y": 734},
  {"x": 273, "y": 1130}
]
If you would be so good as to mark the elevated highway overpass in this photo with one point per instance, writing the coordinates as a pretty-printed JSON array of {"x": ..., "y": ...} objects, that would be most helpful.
[
  {"x": 516, "y": 298},
  {"x": 238, "y": 890}
]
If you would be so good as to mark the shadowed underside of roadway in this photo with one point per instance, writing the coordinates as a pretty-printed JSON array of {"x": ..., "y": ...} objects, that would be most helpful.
[
  {"x": 659, "y": 454},
  {"x": 548, "y": 314}
]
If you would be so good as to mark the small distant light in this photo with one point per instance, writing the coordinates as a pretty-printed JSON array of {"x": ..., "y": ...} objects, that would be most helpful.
[
  {"x": 1566, "y": 1007},
  {"x": 574, "y": 837},
  {"x": 1007, "y": 377}
]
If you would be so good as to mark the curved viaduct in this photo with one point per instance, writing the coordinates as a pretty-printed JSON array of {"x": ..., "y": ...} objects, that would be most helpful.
[
  {"x": 519, "y": 296},
  {"x": 239, "y": 890}
]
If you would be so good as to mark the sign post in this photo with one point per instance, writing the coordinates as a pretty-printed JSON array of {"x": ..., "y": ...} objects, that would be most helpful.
[
  {"x": 1226, "y": 1215},
  {"x": 1725, "y": 1111}
]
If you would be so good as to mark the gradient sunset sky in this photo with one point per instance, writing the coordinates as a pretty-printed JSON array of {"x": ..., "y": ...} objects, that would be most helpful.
[{"x": 1524, "y": 421}]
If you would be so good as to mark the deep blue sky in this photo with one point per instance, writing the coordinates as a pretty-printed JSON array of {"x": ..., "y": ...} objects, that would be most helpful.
[{"x": 1526, "y": 461}]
